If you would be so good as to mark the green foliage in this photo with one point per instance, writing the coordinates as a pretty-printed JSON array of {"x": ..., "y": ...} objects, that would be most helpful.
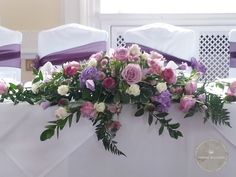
[{"x": 216, "y": 111}]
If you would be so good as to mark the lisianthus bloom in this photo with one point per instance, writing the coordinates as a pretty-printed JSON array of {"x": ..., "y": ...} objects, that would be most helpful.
[
  {"x": 169, "y": 76},
  {"x": 88, "y": 73},
  {"x": 63, "y": 89},
  {"x": 87, "y": 110},
  {"x": 190, "y": 87},
  {"x": 198, "y": 66},
  {"x": 132, "y": 73},
  {"x": 164, "y": 98},
  {"x": 109, "y": 83},
  {"x": 135, "y": 50},
  {"x": 121, "y": 54},
  {"x": 61, "y": 113},
  {"x": 186, "y": 103},
  {"x": 71, "y": 68},
  {"x": 3, "y": 87},
  {"x": 183, "y": 66},
  {"x": 134, "y": 90},
  {"x": 232, "y": 89}
]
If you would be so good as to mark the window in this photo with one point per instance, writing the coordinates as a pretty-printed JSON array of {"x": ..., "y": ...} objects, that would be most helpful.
[{"x": 167, "y": 6}]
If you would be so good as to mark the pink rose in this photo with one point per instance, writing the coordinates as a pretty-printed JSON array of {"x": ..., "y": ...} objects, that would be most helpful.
[
  {"x": 132, "y": 73},
  {"x": 232, "y": 89},
  {"x": 115, "y": 126},
  {"x": 190, "y": 87},
  {"x": 109, "y": 83},
  {"x": 156, "y": 55},
  {"x": 169, "y": 76},
  {"x": 71, "y": 68},
  {"x": 87, "y": 110},
  {"x": 121, "y": 54},
  {"x": 186, "y": 103},
  {"x": 98, "y": 56},
  {"x": 3, "y": 87}
]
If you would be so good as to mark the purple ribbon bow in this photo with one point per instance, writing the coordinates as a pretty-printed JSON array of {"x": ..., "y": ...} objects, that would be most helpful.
[
  {"x": 232, "y": 50},
  {"x": 73, "y": 54},
  {"x": 168, "y": 57},
  {"x": 10, "y": 56}
]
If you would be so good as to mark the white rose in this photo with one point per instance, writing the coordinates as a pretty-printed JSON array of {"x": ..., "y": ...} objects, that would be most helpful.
[
  {"x": 161, "y": 87},
  {"x": 145, "y": 56},
  {"x": 100, "y": 107},
  {"x": 35, "y": 87},
  {"x": 133, "y": 90},
  {"x": 135, "y": 50},
  {"x": 63, "y": 90},
  {"x": 92, "y": 62},
  {"x": 61, "y": 113}
]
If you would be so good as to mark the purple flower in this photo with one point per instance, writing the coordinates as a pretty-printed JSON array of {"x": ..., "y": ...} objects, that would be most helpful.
[
  {"x": 90, "y": 73},
  {"x": 198, "y": 66},
  {"x": 164, "y": 100},
  {"x": 183, "y": 66},
  {"x": 45, "y": 104},
  {"x": 90, "y": 85}
]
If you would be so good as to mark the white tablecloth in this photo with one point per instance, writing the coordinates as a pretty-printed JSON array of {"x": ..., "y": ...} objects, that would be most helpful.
[{"x": 77, "y": 153}]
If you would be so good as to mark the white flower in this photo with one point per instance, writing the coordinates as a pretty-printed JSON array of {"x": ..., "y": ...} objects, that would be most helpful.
[
  {"x": 92, "y": 62},
  {"x": 61, "y": 113},
  {"x": 145, "y": 56},
  {"x": 100, "y": 107},
  {"x": 63, "y": 90},
  {"x": 135, "y": 50},
  {"x": 35, "y": 87},
  {"x": 161, "y": 87},
  {"x": 133, "y": 90},
  {"x": 172, "y": 65}
]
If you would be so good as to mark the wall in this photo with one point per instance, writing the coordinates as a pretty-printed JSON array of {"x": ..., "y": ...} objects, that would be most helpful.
[{"x": 30, "y": 17}]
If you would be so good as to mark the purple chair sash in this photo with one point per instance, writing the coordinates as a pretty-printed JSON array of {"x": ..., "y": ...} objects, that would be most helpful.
[
  {"x": 168, "y": 57},
  {"x": 232, "y": 50},
  {"x": 10, "y": 56},
  {"x": 74, "y": 54}
]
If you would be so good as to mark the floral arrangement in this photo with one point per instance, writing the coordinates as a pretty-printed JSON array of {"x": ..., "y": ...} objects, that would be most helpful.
[{"x": 97, "y": 89}]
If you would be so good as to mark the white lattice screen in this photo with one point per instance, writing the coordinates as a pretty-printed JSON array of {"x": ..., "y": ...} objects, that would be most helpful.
[{"x": 213, "y": 48}]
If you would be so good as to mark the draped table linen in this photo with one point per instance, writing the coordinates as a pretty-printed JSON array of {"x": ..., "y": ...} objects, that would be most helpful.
[{"x": 78, "y": 153}]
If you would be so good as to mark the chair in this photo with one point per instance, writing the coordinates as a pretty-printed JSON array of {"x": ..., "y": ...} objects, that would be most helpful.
[
  {"x": 175, "y": 43},
  {"x": 70, "y": 42},
  {"x": 10, "y": 55},
  {"x": 232, "y": 49}
]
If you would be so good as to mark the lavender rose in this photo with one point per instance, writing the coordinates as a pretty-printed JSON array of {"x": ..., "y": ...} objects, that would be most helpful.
[
  {"x": 132, "y": 73},
  {"x": 121, "y": 54},
  {"x": 186, "y": 103}
]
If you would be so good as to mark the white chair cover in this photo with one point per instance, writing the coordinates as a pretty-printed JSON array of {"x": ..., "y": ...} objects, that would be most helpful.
[
  {"x": 8, "y": 37},
  {"x": 68, "y": 36},
  {"x": 172, "y": 40},
  {"x": 232, "y": 40}
]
